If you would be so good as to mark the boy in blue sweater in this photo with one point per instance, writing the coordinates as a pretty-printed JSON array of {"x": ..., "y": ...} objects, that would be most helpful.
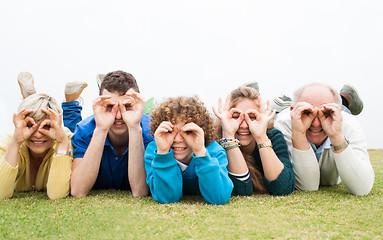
[{"x": 184, "y": 158}]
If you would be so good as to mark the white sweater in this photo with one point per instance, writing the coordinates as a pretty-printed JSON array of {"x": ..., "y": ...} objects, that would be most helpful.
[{"x": 352, "y": 166}]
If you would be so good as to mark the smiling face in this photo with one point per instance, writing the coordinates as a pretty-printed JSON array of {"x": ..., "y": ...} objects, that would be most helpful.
[
  {"x": 317, "y": 96},
  {"x": 182, "y": 152},
  {"x": 38, "y": 143},
  {"x": 119, "y": 127},
  {"x": 243, "y": 134}
]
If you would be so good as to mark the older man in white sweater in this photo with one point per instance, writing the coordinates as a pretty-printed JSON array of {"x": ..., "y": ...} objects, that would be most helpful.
[{"x": 326, "y": 144}]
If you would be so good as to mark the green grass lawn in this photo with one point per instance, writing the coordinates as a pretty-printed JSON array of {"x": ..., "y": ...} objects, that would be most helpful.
[{"x": 328, "y": 213}]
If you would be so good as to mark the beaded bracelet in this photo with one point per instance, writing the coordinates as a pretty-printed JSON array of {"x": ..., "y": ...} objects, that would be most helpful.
[
  {"x": 230, "y": 146},
  {"x": 228, "y": 140},
  {"x": 229, "y": 143}
]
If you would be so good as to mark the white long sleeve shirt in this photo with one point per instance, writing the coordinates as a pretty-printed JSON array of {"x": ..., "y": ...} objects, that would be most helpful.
[{"x": 352, "y": 166}]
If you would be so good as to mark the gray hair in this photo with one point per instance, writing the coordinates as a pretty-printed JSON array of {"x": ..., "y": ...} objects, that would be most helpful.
[
  {"x": 298, "y": 93},
  {"x": 36, "y": 102}
]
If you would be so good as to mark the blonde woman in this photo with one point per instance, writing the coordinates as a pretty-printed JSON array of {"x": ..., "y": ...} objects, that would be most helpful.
[
  {"x": 36, "y": 156},
  {"x": 258, "y": 158}
]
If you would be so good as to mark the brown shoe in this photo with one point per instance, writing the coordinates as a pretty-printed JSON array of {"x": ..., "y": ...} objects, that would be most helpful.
[{"x": 73, "y": 90}]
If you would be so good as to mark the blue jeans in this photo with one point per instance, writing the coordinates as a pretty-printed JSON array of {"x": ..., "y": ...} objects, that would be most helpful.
[
  {"x": 71, "y": 114},
  {"x": 345, "y": 109}
]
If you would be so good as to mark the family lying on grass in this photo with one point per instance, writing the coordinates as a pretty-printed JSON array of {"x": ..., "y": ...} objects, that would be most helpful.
[{"x": 181, "y": 149}]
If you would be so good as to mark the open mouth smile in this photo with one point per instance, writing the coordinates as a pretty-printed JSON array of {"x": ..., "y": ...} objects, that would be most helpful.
[
  {"x": 178, "y": 148},
  {"x": 38, "y": 142},
  {"x": 243, "y": 134},
  {"x": 119, "y": 124},
  {"x": 316, "y": 131}
]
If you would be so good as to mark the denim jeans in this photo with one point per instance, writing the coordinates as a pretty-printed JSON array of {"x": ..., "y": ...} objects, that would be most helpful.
[{"x": 71, "y": 114}]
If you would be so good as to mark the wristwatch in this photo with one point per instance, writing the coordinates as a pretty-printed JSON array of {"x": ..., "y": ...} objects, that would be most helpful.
[
  {"x": 340, "y": 146},
  {"x": 266, "y": 144},
  {"x": 62, "y": 152}
]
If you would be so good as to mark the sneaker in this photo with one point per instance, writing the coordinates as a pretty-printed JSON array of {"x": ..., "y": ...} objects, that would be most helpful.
[
  {"x": 26, "y": 83},
  {"x": 252, "y": 84},
  {"x": 73, "y": 90},
  {"x": 99, "y": 78},
  {"x": 355, "y": 104},
  {"x": 280, "y": 103}
]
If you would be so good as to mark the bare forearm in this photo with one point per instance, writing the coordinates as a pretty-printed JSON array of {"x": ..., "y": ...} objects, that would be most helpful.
[
  {"x": 272, "y": 166},
  {"x": 64, "y": 145},
  {"x": 85, "y": 170},
  {"x": 236, "y": 161},
  {"x": 136, "y": 167},
  {"x": 299, "y": 141}
]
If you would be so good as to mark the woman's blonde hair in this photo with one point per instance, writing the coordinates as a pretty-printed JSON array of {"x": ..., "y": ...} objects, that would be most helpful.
[
  {"x": 187, "y": 109},
  {"x": 237, "y": 95},
  {"x": 36, "y": 102}
]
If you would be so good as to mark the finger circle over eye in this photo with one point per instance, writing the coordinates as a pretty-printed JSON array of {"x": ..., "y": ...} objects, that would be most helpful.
[
  {"x": 128, "y": 102},
  {"x": 235, "y": 112},
  {"x": 30, "y": 120},
  {"x": 252, "y": 111}
]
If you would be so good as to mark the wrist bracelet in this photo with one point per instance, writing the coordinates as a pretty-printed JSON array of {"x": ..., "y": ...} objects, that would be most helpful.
[
  {"x": 266, "y": 144},
  {"x": 230, "y": 146},
  {"x": 229, "y": 143},
  {"x": 340, "y": 146},
  {"x": 62, "y": 152},
  {"x": 228, "y": 140}
]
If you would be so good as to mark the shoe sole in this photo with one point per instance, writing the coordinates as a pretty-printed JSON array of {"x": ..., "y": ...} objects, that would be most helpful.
[{"x": 24, "y": 90}]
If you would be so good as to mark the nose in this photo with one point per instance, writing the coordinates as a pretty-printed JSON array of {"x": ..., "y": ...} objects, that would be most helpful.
[
  {"x": 37, "y": 134},
  {"x": 243, "y": 125},
  {"x": 118, "y": 114},
  {"x": 178, "y": 138},
  {"x": 316, "y": 122}
]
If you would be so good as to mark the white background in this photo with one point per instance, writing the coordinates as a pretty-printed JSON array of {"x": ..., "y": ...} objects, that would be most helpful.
[{"x": 203, "y": 47}]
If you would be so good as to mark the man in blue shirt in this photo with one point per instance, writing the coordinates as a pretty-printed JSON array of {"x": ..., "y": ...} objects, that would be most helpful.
[{"x": 101, "y": 142}]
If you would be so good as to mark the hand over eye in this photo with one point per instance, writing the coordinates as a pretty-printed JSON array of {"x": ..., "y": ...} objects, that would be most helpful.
[
  {"x": 307, "y": 112},
  {"x": 47, "y": 127},
  {"x": 25, "y": 126},
  {"x": 128, "y": 107},
  {"x": 109, "y": 108}
]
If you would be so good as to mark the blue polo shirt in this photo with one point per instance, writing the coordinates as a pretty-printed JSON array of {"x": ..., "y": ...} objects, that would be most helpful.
[{"x": 113, "y": 172}]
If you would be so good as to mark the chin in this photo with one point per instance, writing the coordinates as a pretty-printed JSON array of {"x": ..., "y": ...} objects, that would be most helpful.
[
  {"x": 180, "y": 157},
  {"x": 244, "y": 141},
  {"x": 119, "y": 131},
  {"x": 184, "y": 158},
  {"x": 40, "y": 150},
  {"x": 317, "y": 140}
]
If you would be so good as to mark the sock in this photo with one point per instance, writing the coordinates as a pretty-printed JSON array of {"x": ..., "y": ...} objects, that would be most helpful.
[{"x": 344, "y": 102}]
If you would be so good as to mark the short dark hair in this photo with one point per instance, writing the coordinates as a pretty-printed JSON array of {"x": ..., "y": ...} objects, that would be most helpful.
[{"x": 119, "y": 81}]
